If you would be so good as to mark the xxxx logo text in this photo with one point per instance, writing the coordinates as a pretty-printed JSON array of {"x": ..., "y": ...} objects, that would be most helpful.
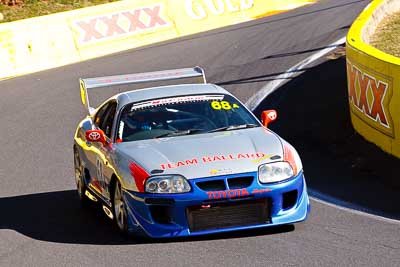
[
  {"x": 122, "y": 23},
  {"x": 367, "y": 94}
]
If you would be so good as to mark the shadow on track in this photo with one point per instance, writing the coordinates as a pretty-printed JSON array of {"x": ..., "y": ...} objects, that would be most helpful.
[
  {"x": 314, "y": 116},
  {"x": 260, "y": 78},
  {"x": 289, "y": 54},
  {"x": 58, "y": 217},
  {"x": 274, "y": 76}
]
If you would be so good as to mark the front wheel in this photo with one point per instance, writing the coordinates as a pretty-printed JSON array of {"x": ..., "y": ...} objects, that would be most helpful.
[{"x": 120, "y": 210}]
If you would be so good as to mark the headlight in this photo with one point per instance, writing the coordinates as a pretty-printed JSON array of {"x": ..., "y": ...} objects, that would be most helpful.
[
  {"x": 274, "y": 172},
  {"x": 291, "y": 156},
  {"x": 167, "y": 184}
]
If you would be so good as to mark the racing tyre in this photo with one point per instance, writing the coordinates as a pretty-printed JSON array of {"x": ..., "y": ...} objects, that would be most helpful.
[
  {"x": 120, "y": 211},
  {"x": 80, "y": 181}
]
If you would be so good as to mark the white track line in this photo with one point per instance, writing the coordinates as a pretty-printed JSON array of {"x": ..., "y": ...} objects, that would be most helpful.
[
  {"x": 349, "y": 207},
  {"x": 270, "y": 87}
]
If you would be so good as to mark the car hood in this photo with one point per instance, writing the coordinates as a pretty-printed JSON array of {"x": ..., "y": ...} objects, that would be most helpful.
[{"x": 204, "y": 155}]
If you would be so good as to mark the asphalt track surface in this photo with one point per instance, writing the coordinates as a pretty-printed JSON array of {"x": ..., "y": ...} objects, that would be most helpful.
[{"x": 41, "y": 223}]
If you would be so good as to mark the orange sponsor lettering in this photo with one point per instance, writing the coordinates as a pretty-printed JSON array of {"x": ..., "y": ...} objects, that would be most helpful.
[{"x": 367, "y": 94}]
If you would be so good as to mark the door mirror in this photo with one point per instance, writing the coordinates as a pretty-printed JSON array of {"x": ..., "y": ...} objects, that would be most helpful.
[
  {"x": 268, "y": 116},
  {"x": 96, "y": 136}
]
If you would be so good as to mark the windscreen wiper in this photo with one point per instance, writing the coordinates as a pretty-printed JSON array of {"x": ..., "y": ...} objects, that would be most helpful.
[
  {"x": 233, "y": 127},
  {"x": 177, "y": 133}
]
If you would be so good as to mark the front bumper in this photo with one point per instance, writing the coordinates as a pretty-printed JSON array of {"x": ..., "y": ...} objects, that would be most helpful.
[{"x": 169, "y": 215}]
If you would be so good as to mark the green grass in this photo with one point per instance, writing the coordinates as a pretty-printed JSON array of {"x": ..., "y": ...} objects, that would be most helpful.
[
  {"x": 33, "y": 8},
  {"x": 387, "y": 35}
]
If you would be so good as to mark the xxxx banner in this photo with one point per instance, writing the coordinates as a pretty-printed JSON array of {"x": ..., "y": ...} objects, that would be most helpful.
[
  {"x": 373, "y": 82},
  {"x": 69, "y": 37},
  {"x": 130, "y": 24}
]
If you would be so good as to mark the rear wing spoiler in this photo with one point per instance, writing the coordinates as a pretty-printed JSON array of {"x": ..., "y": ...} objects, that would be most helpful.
[{"x": 156, "y": 76}]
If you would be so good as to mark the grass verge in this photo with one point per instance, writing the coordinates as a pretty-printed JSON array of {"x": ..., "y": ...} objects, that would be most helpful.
[
  {"x": 16, "y": 9},
  {"x": 387, "y": 35}
]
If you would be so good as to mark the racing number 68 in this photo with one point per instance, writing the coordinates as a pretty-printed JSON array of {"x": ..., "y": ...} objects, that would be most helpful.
[
  {"x": 218, "y": 105},
  {"x": 99, "y": 169}
]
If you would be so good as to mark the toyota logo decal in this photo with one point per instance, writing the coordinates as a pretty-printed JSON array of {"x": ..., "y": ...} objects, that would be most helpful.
[
  {"x": 94, "y": 136},
  {"x": 272, "y": 115}
]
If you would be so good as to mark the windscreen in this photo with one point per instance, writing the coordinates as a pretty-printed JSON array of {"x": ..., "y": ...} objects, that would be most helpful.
[{"x": 173, "y": 117}]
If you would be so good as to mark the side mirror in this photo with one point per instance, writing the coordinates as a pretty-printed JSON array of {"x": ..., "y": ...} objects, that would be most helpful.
[
  {"x": 268, "y": 116},
  {"x": 96, "y": 136}
]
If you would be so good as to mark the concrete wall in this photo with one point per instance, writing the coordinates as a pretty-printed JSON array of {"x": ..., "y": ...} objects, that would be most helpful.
[{"x": 55, "y": 40}]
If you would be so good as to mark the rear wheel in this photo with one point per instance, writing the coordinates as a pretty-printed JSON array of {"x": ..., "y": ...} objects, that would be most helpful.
[{"x": 120, "y": 211}]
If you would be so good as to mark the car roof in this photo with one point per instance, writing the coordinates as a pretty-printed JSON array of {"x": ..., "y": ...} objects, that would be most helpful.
[{"x": 167, "y": 91}]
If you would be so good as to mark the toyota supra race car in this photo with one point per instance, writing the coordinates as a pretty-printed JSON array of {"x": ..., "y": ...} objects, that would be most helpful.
[{"x": 184, "y": 160}]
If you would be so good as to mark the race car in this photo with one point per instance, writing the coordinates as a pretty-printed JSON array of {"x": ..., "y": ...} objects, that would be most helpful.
[{"x": 184, "y": 160}]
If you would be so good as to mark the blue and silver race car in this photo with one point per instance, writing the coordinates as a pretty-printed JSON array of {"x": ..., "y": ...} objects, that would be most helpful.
[{"x": 184, "y": 160}]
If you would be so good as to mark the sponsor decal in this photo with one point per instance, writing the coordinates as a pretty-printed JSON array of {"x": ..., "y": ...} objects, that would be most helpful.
[
  {"x": 235, "y": 193},
  {"x": 369, "y": 97},
  {"x": 210, "y": 159},
  {"x": 220, "y": 171},
  {"x": 100, "y": 170},
  {"x": 263, "y": 158},
  {"x": 201, "y": 9},
  {"x": 94, "y": 136},
  {"x": 260, "y": 191},
  {"x": 272, "y": 115},
  {"x": 123, "y": 23},
  {"x": 223, "y": 105}
]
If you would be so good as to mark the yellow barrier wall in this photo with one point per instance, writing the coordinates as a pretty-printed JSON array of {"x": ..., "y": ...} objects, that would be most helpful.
[
  {"x": 55, "y": 40},
  {"x": 373, "y": 86}
]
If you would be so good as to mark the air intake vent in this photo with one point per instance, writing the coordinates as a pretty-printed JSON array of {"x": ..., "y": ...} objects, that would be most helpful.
[
  {"x": 289, "y": 199},
  {"x": 161, "y": 214},
  {"x": 215, "y": 185},
  {"x": 240, "y": 182}
]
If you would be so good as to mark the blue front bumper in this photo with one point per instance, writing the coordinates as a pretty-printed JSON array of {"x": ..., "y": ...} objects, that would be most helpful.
[{"x": 166, "y": 215}]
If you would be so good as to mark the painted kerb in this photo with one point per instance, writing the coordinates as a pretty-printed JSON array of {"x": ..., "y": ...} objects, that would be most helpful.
[
  {"x": 55, "y": 40},
  {"x": 374, "y": 81}
]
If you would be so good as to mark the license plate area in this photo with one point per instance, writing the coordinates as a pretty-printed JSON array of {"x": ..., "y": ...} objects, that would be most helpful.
[{"x": 230, "y": 214}]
